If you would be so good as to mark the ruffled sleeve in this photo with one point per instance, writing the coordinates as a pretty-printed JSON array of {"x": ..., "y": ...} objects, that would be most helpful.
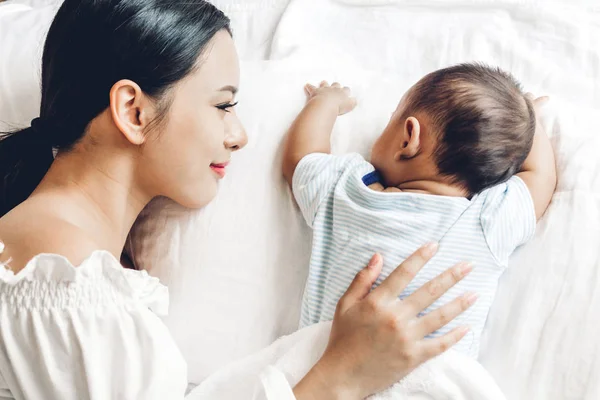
[
  {"x": 86, "y": 333},
  {"x": 93, "y": 332}
]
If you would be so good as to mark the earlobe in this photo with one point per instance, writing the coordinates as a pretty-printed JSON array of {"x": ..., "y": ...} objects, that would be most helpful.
[{"x": 128, "y": 111}]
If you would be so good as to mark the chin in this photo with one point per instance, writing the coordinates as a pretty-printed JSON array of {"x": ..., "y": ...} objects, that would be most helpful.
[{"x": 199, "y": 197}]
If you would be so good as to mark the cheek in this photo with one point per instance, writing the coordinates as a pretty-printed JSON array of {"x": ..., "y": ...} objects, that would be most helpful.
[
  {"x": 182, "y": 157},
  {"x": 200, "y": 142},
  {"x": 203, "y": 145},
  {"x": 378, "y": 151},
  {"x": 375, "y": 151}
]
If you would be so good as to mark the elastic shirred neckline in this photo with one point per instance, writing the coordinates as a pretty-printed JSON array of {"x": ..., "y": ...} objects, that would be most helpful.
[{"x": 51, "y": 281}]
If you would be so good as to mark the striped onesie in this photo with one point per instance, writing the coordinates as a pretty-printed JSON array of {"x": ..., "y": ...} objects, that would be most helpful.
[{"x": 350, "y": 222}]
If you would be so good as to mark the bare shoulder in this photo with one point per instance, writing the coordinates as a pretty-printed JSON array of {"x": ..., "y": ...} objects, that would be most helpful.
[{"x": 27, "y": 232}]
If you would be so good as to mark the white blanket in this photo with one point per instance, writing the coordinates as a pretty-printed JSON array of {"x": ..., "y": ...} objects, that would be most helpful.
[{"x": 451, "y": 376}]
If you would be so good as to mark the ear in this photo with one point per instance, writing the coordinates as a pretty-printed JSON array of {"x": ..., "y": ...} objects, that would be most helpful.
[
  {"x": 130, "y": 110},
  {"x": 411, "y": 139}
]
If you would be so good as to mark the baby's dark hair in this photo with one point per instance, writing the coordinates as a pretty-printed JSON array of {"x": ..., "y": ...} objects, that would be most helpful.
[{"x": 483, "y": 123}]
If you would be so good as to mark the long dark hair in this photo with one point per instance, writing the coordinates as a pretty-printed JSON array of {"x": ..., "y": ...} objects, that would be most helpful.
[{"x": 91, "y": 45}]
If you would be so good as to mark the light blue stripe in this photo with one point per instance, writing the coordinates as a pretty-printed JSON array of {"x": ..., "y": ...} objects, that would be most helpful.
[{"x": 351, "y": 222}]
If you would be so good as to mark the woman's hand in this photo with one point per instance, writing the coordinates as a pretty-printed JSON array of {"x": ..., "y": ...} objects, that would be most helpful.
[
  {"x": 377, "y": 339},
  {"x": 338, "y": 96}
]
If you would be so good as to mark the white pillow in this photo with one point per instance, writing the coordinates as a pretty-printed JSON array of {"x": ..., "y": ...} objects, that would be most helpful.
[
  {"x": 236, "y": 269},
  {"x": 35, "y": 3},
  {"x": 253, "y": 23},
  {"x": 23, "y": 30},
  {"x": 22, "y": 34},
  {"x": 552, "y": 48}
]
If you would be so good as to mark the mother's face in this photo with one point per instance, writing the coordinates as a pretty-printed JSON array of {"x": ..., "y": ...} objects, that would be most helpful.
[{"x": 201, "y": 130}]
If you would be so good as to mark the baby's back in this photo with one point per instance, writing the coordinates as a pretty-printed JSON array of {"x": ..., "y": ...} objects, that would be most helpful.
[{"x": 351, "y": 222}]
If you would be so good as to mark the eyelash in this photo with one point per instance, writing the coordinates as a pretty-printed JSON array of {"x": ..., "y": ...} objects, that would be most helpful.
[{"x": 225, "y": 107}]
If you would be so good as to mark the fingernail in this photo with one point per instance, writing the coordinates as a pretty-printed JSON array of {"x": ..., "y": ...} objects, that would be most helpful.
[
  {"x": 431, "y": 248},
  {"x": 374, "y": 261},
  {"x": 471, "y": 298},
  {"x": 465, "y": 268}
]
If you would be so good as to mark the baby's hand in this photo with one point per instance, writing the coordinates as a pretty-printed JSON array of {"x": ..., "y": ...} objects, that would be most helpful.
[{"x": 338, "y": 95}]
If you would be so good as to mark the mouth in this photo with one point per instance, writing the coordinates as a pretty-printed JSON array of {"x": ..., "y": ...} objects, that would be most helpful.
[{"x": 219, "y": 169}]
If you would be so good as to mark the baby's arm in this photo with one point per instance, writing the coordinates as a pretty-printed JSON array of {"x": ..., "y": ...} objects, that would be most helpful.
[
  {"x": 539, "y": 169},
  {"x": 311, "y": 131}
]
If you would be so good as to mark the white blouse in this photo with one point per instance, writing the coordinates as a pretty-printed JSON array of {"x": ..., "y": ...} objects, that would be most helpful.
[{"x": 93, "y": 332}]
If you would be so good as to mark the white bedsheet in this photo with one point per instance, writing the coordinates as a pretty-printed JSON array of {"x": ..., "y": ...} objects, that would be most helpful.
[{"x": 541, "y": 339}]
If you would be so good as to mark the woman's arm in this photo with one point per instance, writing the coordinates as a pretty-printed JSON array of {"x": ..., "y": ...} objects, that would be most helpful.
[
  {"x": 311, "y": 131},
  {"x": 376, "y": 339}
]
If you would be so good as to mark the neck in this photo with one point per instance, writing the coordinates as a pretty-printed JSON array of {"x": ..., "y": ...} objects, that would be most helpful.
[
  {"x": 95, "y": 191},
  {"x": 433, "y": 187}
]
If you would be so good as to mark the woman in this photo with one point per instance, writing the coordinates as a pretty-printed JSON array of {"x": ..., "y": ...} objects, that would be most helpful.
[{"x": 137, "y": 99}]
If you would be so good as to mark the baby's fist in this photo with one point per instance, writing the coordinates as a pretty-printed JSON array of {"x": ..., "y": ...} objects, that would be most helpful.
[{"x": 338, "y": 95}]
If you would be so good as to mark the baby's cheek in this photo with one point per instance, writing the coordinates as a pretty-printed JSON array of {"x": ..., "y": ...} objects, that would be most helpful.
[{"x": 378, "y": 161}]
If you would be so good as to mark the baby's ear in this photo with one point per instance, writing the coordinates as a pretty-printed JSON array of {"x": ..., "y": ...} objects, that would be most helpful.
[{"x": 411, "y": 139}]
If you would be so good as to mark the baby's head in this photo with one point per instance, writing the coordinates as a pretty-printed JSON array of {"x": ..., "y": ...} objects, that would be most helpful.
[{"x": 468, "y": 127}]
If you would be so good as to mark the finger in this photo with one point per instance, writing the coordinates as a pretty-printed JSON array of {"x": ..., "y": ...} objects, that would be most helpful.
[
  {"x": 324, "y": 84},
  {"x": 434, "y": 347},
  {"x": 362, "y": 283},
  {"x": 353, "y": 103},
  {"x": 309, "y": 89},
  {"x": 347, "y": 90},
  {"x": 438, "y": 318},
  {"x": 540, "y": 101},
  {"x": 395, "y": 283},
  {"x": 336, "y": 85},
  {"x": 434, "y": 289}
]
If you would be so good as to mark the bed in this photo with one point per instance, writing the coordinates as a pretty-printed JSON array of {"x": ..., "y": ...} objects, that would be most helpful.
[{"x": 236, "y": 278}]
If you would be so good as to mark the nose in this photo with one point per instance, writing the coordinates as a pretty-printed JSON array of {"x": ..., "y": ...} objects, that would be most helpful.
[{"x": 236, "y": 137}]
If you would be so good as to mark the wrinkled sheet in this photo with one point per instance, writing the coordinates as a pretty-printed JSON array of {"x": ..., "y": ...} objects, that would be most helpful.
[{"x": 541, "y": 338}]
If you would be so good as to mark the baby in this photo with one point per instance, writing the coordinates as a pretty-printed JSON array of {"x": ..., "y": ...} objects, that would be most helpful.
[{"x": 461, "y": 162}]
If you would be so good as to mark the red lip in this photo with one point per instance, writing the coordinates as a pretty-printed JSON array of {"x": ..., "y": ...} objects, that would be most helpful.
[{"x": 219, "y": 169}]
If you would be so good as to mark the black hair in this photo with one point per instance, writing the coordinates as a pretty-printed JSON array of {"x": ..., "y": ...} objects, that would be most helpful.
[
  {"x": 90, "y": 46},
  {"x": 483, "y": 123}
]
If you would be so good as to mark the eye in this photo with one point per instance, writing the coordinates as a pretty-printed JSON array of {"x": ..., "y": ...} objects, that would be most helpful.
[{"x": 226, "y": 106}]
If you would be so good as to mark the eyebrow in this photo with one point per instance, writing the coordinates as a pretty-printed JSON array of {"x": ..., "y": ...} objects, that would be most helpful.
[{"x": 229, "y": 88}]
